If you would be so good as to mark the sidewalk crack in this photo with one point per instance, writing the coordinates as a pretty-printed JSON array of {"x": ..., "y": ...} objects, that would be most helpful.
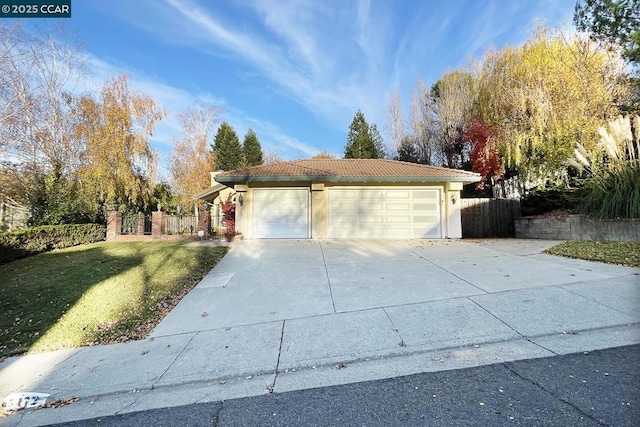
[
  {"x": 511, "y": 327},
  {"x": 174, "y": 360},
  {"x": 541, "y": 387},
  {"x": 272, "y": 387},
  {"x": 448, "y": 271},
  {"x": 326, "y": 270},
  {"x": 397, "y": 331}
]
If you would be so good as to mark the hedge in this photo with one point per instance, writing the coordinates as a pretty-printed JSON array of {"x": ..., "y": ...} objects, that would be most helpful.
[{"x": 31, "y": 241}]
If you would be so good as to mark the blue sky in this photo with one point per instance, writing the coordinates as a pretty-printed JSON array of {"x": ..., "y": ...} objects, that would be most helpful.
[{"x": 295, "y": 70}]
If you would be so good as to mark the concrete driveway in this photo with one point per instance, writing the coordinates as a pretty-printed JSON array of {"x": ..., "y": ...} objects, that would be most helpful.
[
  {"x": 274, "y": 280},
  {"x": 281, "y": 315}
]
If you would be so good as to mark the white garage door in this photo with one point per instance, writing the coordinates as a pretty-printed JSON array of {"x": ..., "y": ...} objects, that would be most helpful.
[
  {"x": 280, "y": 213},
  {"x": 384, "y": 213}
]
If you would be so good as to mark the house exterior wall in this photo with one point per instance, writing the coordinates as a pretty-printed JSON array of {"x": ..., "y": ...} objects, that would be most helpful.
[
  {"x": 452, "y": 212},
  {"x": 449, "y": 204}
]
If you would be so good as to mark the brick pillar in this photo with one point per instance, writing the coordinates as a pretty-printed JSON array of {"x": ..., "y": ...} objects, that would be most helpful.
[
  {"x": 114, "y": 225},
  {"x": 140, "y": 224},
  {"x": 156, "y": 223},
  {"x": 204, "y": 222}
]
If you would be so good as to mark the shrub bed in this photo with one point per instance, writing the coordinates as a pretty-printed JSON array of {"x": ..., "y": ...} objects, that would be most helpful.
[{"x": 30, "y": 241}]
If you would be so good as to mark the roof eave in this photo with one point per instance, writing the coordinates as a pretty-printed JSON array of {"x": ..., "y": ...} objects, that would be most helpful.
[
  {"x": 209, "y": 192},
  {"x": 270, "y": 178},
  {"x": 361, "y": 179}
]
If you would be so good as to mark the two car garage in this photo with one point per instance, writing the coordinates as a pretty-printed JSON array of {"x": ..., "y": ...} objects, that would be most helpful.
[
  {"x": 352, "y": 212},
  {"x": 347, "y": 198}
]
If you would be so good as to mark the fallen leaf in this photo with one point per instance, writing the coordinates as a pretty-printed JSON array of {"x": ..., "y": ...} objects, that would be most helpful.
[
  {"x": 58, "y": 403},
  {"x": 94, "y": 399}
]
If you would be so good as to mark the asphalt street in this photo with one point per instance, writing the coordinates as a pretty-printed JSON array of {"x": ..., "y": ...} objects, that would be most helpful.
[{"x": 591, "y": 388}]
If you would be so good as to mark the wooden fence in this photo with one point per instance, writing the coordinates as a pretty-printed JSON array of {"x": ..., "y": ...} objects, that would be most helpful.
[{"x": 489, "y": 217}]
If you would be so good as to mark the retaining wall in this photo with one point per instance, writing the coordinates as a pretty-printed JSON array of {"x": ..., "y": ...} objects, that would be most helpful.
[{"x": 578, "y": 227}]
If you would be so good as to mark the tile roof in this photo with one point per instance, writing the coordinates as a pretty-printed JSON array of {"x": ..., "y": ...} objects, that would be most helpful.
[
  {"x": 209, "y": 191},
  {"x": 356, "y": 170}
]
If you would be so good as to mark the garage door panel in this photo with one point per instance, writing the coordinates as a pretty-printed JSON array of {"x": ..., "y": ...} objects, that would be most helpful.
[
  {"x": 397, "y": 194},
  {"x": 391, "y": 213},
  {"x": 369, "y": 219},
  {"x": 428, "y": 207},
  {"x": 280, "y": 213}
]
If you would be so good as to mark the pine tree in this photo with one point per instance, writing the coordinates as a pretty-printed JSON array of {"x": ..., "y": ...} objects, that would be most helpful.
[
  {"x": 360, "y": 141},
  {"x": 227, "y": 148},
  {"x": 378, "y": 142},
  {"x": 407, "y": 151},
  {"x": 252, "y": 149}
]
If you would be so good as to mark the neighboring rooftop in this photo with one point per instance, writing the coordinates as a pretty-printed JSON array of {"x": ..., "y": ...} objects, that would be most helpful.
[{"x": 346, "y": 170}]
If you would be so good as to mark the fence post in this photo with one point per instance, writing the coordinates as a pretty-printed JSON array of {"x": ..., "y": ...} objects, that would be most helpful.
[
  {"x": 140, "y": 224},
  {"x": 114, "y": 225},
  {"x": 156, "y": 223},
  {"x": 204, "y": 222}
]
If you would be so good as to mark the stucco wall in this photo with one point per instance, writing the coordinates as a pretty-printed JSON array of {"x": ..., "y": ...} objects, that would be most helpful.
[{"x": 578, "y": 227}]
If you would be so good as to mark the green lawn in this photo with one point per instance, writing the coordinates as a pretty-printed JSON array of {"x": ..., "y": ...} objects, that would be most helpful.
[
  {"x": 623, "y": 253},
  {"x": 98, "y": 293}
]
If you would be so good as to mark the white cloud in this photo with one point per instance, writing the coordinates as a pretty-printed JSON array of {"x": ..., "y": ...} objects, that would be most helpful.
[
  {"x": 333, "y": 58},
  {"x": 175, "y": 100}
]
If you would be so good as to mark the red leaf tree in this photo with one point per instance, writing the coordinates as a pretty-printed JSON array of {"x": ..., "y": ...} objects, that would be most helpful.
[
  {"x": 484, "y": 157},
  {"x": 229, "y": 210}
]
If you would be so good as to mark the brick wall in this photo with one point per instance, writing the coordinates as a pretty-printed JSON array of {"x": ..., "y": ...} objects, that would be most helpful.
[{"x": 578, "y": 227}]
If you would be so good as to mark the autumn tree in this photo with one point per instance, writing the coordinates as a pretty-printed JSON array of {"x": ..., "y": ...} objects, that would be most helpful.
[
  {"x": 119, "y": 163},
  {"x": 543, "y": 97},
  {"x": 424, "y": 128},
  {"x": 484, "y": 156},
  {"x": 38, "y": 72},
  {"x": 272, "y": 157},
  {"x": 452, "y": 102},
  {"x": 252, "y": 149},
  {"x": 192, "y": 162},
  {"x": 324, "y": 154},
  {"x": 227, "y": 148},
  {"x": 395, "y": 119},
  {"x": 363, "y": 141}
]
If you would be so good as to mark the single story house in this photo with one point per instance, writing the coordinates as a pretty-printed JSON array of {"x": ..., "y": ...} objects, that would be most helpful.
[
  {"x": 347, "y": 198},
  {"x": 212, "y": 197}
]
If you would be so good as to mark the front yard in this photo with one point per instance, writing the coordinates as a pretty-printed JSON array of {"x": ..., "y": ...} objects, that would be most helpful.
[
  {"x": 622, "y": 253},
  {"x": 95, "y": 294}
]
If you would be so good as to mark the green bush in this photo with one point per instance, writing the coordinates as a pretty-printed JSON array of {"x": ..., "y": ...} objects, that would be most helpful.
[
  {"x": 31, "y": 241},
  {"x": 548, "y": 199}
]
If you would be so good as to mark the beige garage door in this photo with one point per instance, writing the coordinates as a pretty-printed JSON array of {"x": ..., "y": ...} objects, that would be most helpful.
[
  {"x": 384, "y": 213},
  {"x": 280, "y": 213}
]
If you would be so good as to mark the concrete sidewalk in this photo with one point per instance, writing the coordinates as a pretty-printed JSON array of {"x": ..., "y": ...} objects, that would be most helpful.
[{"x": 295, "y": 314}]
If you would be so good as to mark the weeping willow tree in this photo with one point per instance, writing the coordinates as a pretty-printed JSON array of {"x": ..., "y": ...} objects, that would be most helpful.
[{"x": 546, "y": 95}]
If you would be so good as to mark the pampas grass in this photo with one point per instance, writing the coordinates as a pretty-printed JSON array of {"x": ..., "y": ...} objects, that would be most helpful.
[{"x": 613, "y": 187}]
